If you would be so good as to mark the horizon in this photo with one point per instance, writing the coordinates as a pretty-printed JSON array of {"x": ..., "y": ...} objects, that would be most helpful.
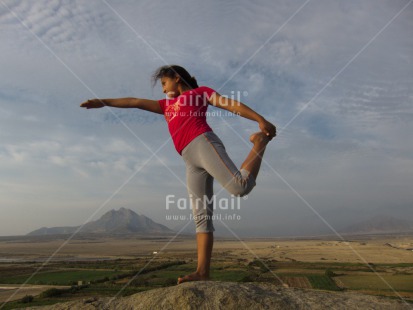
[{"x": 222, "y": 234}]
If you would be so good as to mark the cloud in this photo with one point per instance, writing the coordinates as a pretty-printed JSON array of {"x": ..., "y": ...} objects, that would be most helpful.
[{"x": 348, "y": 150}]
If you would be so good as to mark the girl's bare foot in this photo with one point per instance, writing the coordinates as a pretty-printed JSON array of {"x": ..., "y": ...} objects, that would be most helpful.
[
  {"x": 192, "y": 277},
  {"x": 259, "y": 137}
]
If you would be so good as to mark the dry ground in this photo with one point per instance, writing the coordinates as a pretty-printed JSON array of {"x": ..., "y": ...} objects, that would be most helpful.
[{"x": 392, "y": 250}]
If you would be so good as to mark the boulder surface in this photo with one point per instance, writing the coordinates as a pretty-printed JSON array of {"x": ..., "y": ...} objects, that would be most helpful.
[{"x": 233, "y": 295}]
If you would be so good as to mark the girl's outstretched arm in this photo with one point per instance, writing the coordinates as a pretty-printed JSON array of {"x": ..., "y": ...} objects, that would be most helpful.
[
  {"x": 138, "y": 103},
  {"x": 243, "y": 110}
]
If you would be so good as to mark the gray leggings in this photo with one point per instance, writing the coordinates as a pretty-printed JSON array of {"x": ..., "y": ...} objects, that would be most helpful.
[{"x": 206, "y": 159}]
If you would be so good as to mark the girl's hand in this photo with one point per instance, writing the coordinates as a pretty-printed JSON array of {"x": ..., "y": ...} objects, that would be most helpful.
[
  {"x": 269, "y": 129},
  {"x": 92, "y": 104}
]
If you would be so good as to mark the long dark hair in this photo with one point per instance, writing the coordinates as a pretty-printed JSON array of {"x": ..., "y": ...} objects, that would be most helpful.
[{"x": 172, "y": 71}]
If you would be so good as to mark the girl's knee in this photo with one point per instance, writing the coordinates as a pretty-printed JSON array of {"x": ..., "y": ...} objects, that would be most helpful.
[
  {"x": 242, "y": 184},
  {"x": 240, "y": 189}
]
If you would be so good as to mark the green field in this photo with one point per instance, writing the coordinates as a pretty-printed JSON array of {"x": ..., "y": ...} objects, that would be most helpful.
[
  {"x": 65, "y": 277},
  {"x": 322, "y": 282},
  {"x": 373, "y": 282},
  {"x": 129, "y": 277}
]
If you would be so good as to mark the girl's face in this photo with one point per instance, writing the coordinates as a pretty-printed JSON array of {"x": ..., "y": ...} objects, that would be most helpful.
[{"x": 170, "y": 86}]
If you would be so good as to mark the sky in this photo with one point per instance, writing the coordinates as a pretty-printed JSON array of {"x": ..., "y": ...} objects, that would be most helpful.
[{"x": 334, "y": 76}]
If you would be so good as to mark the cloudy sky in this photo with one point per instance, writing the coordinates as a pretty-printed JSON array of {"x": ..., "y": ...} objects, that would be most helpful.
[{"x": 334, "y": 76}]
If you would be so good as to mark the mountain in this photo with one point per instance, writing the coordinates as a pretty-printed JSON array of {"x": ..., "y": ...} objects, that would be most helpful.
[
  {"x": 120, "y": 222},
  {"x": 378, "y": 225}
]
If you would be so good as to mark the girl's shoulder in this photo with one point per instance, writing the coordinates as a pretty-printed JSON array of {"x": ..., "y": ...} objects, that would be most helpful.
[{"x": 204, "y": 89}]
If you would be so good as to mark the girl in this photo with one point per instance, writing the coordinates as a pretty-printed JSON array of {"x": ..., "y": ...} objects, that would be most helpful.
[{"x": 203, "y": 152}]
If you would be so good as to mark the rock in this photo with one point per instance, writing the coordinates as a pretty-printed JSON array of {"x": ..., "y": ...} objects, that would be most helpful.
[{"x": 233, "y": 295}]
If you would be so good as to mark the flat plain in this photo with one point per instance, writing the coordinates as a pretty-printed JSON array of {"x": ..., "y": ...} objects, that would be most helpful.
[{"x": 89, "y": 265}]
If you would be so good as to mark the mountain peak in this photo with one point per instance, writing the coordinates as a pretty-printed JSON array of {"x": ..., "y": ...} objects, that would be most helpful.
[
  {"x": 380, "y": 224},
  {"x": 122, "y": 221},
  {"x": 124, "y": 210}
]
